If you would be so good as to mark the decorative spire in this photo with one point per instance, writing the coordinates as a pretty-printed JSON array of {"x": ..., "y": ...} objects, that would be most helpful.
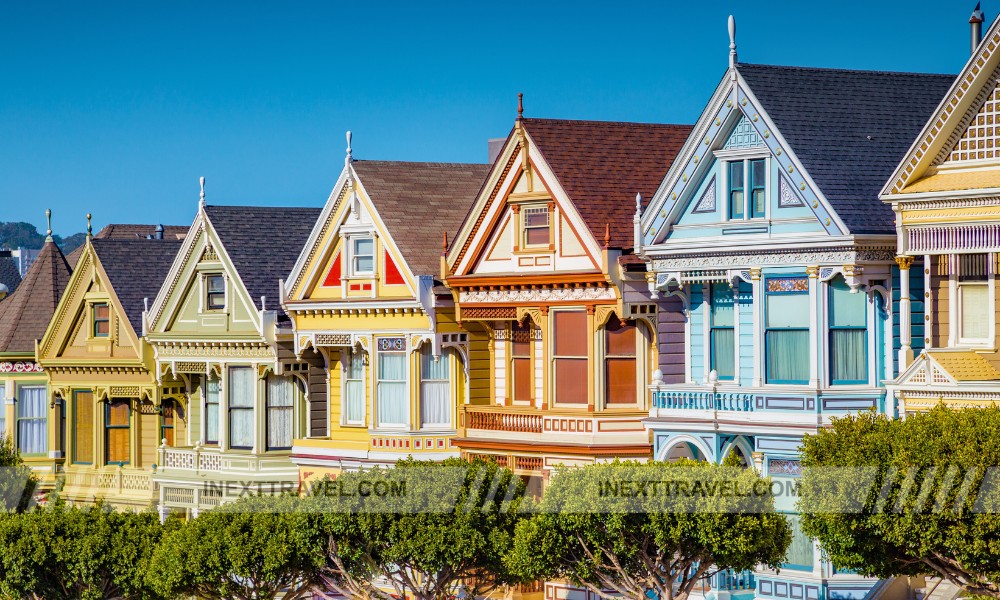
[
  {"x": 607, "y": 235},
  {"x": 348, "y": 158},
  {"x": 48, "y": 220},
  {"x": 201, "y": 200},
  {"x": 444, "y": 243},
  {"x": 90, "y": 229},
  {"x": 732, "y": 41},
  {"x": 638, "y": 204},
  {"x": 520, "y": 106}
]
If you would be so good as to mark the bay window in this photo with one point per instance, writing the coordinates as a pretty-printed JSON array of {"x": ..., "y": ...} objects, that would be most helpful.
[
  {"x": 620, "y": 362},
  {"x": 786, "y": 332},
  {"x": 723, "y": 331},
  {"x": 280, "y": 412},
  {"x": 117, "y": 418},
  {"x": 570, "y": 356},
  {"x": 354, "y": 387},
  {"x": 848, "y": 344},
  {"x": 974, "y": 299},
  {"x": 240, "y": 394},
  {"x": 32, "y": 437},
  {"x": 435, "y": 388},
  {"x": 390, "y": 390}
]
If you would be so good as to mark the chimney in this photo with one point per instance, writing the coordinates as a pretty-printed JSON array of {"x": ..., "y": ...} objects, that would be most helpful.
[
  {"x": 159, "y": 232},
  {"x": 976, "y": 23},
  {"x": 493, "y": 148}
]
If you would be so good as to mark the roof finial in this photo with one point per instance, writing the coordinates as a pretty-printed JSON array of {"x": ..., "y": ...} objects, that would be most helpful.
[
  {"x": 732, "y": 41},
  {"x": 638, "y": 203},
  {"x": 520, "y": 105},
  {"x": 90, "y": 229},
  {"x": 607, "y": 235},
  {"x": 444, "y": 243},
  {"x": 201, "y": 200},
  {"x": 48, "y": 220},
  {"x": 348, "y": 158}
]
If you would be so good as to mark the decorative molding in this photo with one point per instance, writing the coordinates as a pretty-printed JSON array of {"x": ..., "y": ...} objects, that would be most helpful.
[
  {"x": 21, "y": 366},
  {"x": 784, "y": 467},
  {"x": 319, "y": 238},
  {"x": 537, "y": 295},
  {"x": 788, "y": 197},
  {"x": 391, "y": 344},
  {"x": 744, "y": 136},
  {"x": 333, "y": 339},
  {"x": 190, "y": 367},
  {"x": 840, "y": 256},
  {"x": 485, "y": 313},
  {"x": 952, "y": 238},
  {"x": 706, "y": 204},
  {"x": 166, "y": 352},
  {"x": 489, "y": 203}
]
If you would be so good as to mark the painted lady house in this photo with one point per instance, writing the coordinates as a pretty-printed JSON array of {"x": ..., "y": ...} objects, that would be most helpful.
[
  {"x": 560, "y": 356},
  {"x": 773, "y": 265},
  {"x": 104, "y": 403},
  {"x": 366, "y": 294},
  {"x": 233, "y": 395}
]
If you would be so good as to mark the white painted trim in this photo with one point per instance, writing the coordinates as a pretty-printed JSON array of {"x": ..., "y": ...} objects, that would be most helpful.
[
  {"x": 758, "y": 327},
  {"x": 706, "y": 329}
]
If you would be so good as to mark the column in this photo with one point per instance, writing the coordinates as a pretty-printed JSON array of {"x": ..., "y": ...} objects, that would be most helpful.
[
  {"x": 706, "y": 330},
  {"x": 814, "y": 282},
  {"x": 757, "y": 305},
  {"x": 224, "y": 408},
  {"x": 543, "y": 325},
  {"x": 591, "y": 357},
  {"x": 905, "y": 339}
]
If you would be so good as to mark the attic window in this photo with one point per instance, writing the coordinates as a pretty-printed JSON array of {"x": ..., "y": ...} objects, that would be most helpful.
[
  {"x": 535, "y": 226},
  {"x": 362, "y": 256},
  {"x": 102, "y": 320},
  {"x": 215, "y": 292}
]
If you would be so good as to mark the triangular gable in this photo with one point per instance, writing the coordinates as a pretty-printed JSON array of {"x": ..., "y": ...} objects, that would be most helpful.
[
  {"x": 179, "y": 305},
  {"x": 959, "y": 131},
  {"x": 322, "y": 272},
  {"x": 925, "y": 371},
  {"x": 70, "y": 334},
  {"x": 490, "y": 240},
  {"x": 733, "y": 120}
]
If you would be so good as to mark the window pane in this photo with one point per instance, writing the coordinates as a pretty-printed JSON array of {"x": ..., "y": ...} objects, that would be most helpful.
[
  {"x": 435, "y": 403},
  {"x": 848, "y": 355},
  {"x": 620, "y": 338},
  {"x": 788, "y": 310},
  {"x": 759, "y": 199},
  {"x": 392, "y": 391},
  {"x": 241, "y": 413},
  {"x": 355, "y": 365},
  {"x": 167, "y": 422},
  {"x": 280, "y": 411},
  {"x": 522, "y": 378},
  {"x": 355, "y": 401},
  {"x": 846, "y": 309},
  {"x": 241, "y": 428},
  {"x": 536, "y": 217},
  {"x": 364, "y": 247},
  {"x": 975, "y": 311},
  {"x": 800, "y": 552},
  {"x": 117, "y": 428},
  {"x": 212, "y": 411},
  {"x": 100, "y": 311},
  {"x": 429, "y": 367},
  {"x": 758, "y": 175},
  {"x": 215, "y": 283},
  {"x": 83, "y": 427},
  {"x": 391, "y": 366},
  {"x": 787, "y": 355},
  {"x": 736, "y": 175},
  {"x": 241, "y": 384},
  {"x": 724, "y": 352},
  {"x": 536, "y": 236},
  {"x": 571, "y": 380},
  {"x": 621, "y": 381},
  {"x": 31, "y": 435},
  {"x": 722, "y": 305},
  {"x": 570, "y": 333},
  {"x": 364, "y": 264}
]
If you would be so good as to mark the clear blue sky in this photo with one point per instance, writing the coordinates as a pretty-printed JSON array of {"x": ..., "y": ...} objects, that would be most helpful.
[{"x": 118, "y": 108}]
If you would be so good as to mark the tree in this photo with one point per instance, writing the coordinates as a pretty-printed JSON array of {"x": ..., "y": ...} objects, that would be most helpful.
[
  {"x": 428, "y": 529},
  {"x": 258, "y": 547},
  {"x": 632, "y": 527},
  {"x": 63, "y": 553},
  {"x": 17, "y": 482},
  {"x": 908, "y": 497}
]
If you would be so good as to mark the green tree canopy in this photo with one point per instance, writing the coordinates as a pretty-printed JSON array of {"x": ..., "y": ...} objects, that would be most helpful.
[
  {"x": 255, "y": 548},
  {"x": 632, "y": 527},
  {"x": 906, "y": 497},
  {"x": 427, "y": 529},
  {"x": 65, "y": 553},
  {"x": 17, "y": 482}
]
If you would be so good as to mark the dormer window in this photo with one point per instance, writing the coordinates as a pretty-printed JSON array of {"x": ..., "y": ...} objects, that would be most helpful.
[
  {"x": 215, "y": 292},
  {"x": 747, "y": 188},
  {"x": 362, "y": 256},
  {"x": 535, "y": 226},
  {"x": 102, "y": 320}
]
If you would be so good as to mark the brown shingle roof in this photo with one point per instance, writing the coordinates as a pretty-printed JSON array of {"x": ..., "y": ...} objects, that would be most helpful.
[
  {"x": 25, "y": 314},
  {"x": 603, "y": 164},
  {"x": 419, "y": 201},
  {"x": 122, "y": 231}
]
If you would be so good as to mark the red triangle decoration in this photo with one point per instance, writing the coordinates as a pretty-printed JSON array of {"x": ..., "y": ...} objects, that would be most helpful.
[{"x": 333, "y": 277}]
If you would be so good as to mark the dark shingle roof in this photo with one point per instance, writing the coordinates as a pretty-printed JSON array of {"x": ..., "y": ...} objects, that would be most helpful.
[
  {"x": 136, "y": 268},
  {"x": 263, "y": 243},
  {"x": 10, "y": 276},
  {"x": 25, "y": 314},
  {"x": 124, "y": 231},
  {"x": 420, "y": 201},
  {"x": 827, "y": 116},
  {"x": 602, "y": 165}
]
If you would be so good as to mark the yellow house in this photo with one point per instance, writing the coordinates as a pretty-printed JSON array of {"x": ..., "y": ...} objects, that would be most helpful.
[
  {"x": 100, "y": 371},
  {"x": 29, "y": 415},
  {"x": 366, "y": 294},
  {"x": 222, "y": 350}
]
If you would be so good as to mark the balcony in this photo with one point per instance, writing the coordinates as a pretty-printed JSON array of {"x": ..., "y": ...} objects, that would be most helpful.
[
  {"x": 117, "y": 485},
  {"x": 503, "y": 419},
  {"x": 685, "y": 400},
  {"x": 212, "y": 462}
]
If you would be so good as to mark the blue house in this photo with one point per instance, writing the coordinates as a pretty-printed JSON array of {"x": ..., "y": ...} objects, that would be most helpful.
[{"x": 772, "y": 262}]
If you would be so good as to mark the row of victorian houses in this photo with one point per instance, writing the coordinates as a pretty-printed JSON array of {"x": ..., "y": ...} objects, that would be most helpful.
[{"x": 820, "y": 242}]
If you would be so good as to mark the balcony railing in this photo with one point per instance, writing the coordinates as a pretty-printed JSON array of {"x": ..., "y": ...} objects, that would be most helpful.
[
  {"x": 734, "y": 581},
  {"x": 503, "y": 418},
  {"x": 704, "y": 401},
  {"x": 201, "y": 459},
  {"x": 116, "y": 480}
]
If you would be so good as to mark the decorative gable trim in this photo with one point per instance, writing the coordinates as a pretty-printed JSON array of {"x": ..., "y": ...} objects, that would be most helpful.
[
  {"x": 788, "y": 197},
  {"x": 981, "y": 127},
  {"x": 293, "y": 286},
  {"x": 706, "y": 204},
  {"x": 744, "y": 136},
  {"x": 925, "y": 371}
]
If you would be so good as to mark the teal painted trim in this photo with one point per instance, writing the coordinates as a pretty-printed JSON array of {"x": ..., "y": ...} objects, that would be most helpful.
[
  {"x": 747, "y": 305},
  {"x": 697, "y": 348}
]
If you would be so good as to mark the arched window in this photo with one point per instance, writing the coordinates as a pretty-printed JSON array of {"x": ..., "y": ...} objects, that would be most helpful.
[{"x": 621, "y": 362}]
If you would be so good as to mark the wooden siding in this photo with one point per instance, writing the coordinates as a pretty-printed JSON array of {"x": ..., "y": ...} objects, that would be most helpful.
[
  {"x": 319, "y": 405},
  {"x": 917, "y": 331},
  {"x": 670, "y": 339},
  {"x": 940, "y": 301},
  {"x": 746, "y": 308},
  {"x": 479, "y": 364}
]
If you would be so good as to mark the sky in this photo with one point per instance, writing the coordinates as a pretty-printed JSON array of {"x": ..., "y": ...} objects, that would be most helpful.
[{"x": 117, "y": 108}]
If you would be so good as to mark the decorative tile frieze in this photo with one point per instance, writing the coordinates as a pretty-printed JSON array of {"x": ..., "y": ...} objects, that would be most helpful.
[
  {"x": 537, "y": 295},
  {"x": 839, "y": 256},
  {"x": 20, "y": 366},
  {"x": 706, "y": 204},
  {"x": 333, "y": 339}
]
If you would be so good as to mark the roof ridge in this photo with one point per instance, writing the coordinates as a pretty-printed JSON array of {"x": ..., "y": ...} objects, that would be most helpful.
[
  {"x": 600, "y": 122},
  {"x": 843, "y": 70},
  {"x": 419, "y": 162}
]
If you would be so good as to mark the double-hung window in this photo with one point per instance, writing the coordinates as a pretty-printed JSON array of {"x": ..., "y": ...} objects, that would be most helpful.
[
  {"x": 747, "y": 188},
  {"x": 354, "y": 387},
  {"x": 211, "y": 410},
  {"x": 570, "y": 356},
  {"x": 723, "y": 332},
  {"x": 974, "y": 299},
  {"x": 535, "y": 221},
  {"x": 101, "y": 320},
  {"x": 786, "y": 333},
  {"x": 848, "y": 334},
  {"x": 240, "y": 394},
  {"x": 32, "y": 437},
  {"x": 117, "y": 417},
  {"x": 620, "y": 362},
  {"x": 215, "y": 292},
  {"x": 520, "y": 359},
  {"x": 280, "y": 412},
  {"x": 435, "y": 388},
  {"x": 167, "y": 414},
  {"x": 362, "y": 256},
  {"x": 83, "y": 427},
  {"x": 391, "y": 390}
]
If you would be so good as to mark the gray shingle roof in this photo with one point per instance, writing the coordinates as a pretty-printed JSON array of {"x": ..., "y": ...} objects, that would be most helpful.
[
  {"x": 10, "y": 276},
  {"x": 263, "y": 242},
  {"x": 136, "y": 268},
  {"x": 827, "y": 116}
]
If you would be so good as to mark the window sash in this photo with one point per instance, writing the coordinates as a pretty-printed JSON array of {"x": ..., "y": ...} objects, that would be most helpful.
[
  {"x": 536, "y": 225},
  {"x": 787, "y": 355},
  {"x": 800, "y": 554},
  {"x": 240, "y": 394},
  {"x": 215, "y": 292},
  {"x": 354, "y": 388},
  {"x": 724, "y": 352},
  {"x": 391, "y": 390},
  {"x": 737, "y": 208},
  {"x": 167, "y": 416},
  {"x": 102, "y": 320},
  {"x": 31, "y": 431},
  {"x": 849, "y": 355},
  {"x": 758, "y": 182},
  {"x": 117, "y": 422},
  {"x": 212, "y": 389},
  {"x": 280, "y": 412},
  {"x": 363, "y": 255},
  {"x": 974, "y": 300}
]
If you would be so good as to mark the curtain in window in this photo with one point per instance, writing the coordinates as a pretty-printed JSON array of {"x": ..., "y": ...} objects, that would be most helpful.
[
  {"x": 392, "y": 397},
  {"x": 435, "y": 388},
  {"x": 787, "y": 355},
  {"x": 800, "y": 552},
  {"x": 31, "y": 434},
  {"x": 212, "y": 411},
  {"x": 848, "y": 355},
  {"x": 786, "y": 339},
  {"x": 975, "y": 311},
  {"x": 241, "y": 398},
  {"x": 724, "y": 352},
  {"x": 354, "y": 388},
  {"x": 280, "y": 411},
  {"x": 83, "y": 427}
]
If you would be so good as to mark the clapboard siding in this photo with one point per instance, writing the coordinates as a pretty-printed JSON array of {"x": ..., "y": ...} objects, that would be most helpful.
[{"x": 670, "y": 339}]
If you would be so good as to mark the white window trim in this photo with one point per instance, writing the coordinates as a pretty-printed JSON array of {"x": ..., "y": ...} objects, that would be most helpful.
[
  {"x": 552, "y": 361},
  {"x": 955, "y": 291},
  {"x": 407, "y": 377},
  {"x": 745, "y": 156},
  {"x": 203, "y": 295},
  {"x": 351, "y": 239},
  {"x": 451, "y": 391},
  {"x": 343, "y": 388}
]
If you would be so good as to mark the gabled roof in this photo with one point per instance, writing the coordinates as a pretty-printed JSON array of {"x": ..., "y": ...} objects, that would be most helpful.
[
  {"x": 132, "y": 231},
  {"x": 603, "y": 164},
  {"x": 419, "y": 201},
  {"x": 136, "y": 269},
  {"x": 263, "y": 243},
  {"x": 966, "y": 366},
  {"x": 25, "y": 314},
  {"x": 10, "y": 276},
  {"x": 848, "y": 128}
]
